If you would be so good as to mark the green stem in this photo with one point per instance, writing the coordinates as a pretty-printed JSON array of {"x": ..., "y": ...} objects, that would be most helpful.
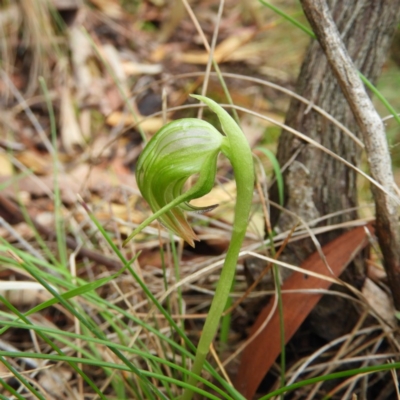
[
  {"x": 237, "y": 149},
  {"x": 226, "y": 322}
]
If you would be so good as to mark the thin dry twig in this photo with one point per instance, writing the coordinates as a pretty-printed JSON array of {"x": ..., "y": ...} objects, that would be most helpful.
[{"x": 211, "y": 55}]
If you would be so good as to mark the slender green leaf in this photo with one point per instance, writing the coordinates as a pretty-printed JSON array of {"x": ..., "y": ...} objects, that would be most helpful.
[
  {"x": 81, "y": 290},
  {"x": 329, "y": 377},
  {"x": 277, "y": 171},
  {"x": 21, "y": 378}
]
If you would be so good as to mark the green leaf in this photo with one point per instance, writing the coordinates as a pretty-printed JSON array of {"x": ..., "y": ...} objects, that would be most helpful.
[
  {"x": 277, "y": 170},
  {"x": 78, "y": 291}
]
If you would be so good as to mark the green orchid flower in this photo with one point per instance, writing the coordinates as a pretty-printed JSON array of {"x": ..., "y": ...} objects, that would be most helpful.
[
  {"x": 181, "y": 149},
  {"x": 178, "y": 151}
]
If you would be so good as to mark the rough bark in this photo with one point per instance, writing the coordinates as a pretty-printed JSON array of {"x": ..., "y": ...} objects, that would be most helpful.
[
  {"x": 367, "y": 27},
  {"x": 316, "y": 184},
  {"x": 373, "y": 132}
]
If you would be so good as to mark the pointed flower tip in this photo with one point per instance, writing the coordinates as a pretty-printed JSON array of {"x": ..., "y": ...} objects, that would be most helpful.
[{"x": 191, "y": 240}]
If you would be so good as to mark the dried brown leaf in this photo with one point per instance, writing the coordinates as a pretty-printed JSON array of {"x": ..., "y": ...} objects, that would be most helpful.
[
  {"x": 261, "y": 353},
  {"x": 151, "y": 125},
  {"x": 38, "y": 163},
  {"x": 134, "y": 68},
  {"x": 6, "y": 167},
  {"x": 380, "y": 302},
  {"x": 71, "y": 135},
  {"x": 223, "y": 52},
  {"x": 81, "y": 51},
  {"x": 111, "y": 8}
]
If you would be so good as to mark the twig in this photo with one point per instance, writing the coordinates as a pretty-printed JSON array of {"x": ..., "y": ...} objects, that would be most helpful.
[
  {"x": 373, "y": 131},
  {"x": 211, "y": 55}
]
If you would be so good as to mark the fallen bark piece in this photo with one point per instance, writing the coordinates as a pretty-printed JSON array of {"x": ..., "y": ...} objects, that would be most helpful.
[{"x": 262, "y": 352}]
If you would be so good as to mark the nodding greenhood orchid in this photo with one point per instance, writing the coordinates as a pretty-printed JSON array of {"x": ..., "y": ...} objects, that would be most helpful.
[{"x": 179, "y": 150}]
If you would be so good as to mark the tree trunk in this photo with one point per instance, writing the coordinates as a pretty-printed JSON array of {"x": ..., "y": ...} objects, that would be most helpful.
[{"x": 315, "y": 183}]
